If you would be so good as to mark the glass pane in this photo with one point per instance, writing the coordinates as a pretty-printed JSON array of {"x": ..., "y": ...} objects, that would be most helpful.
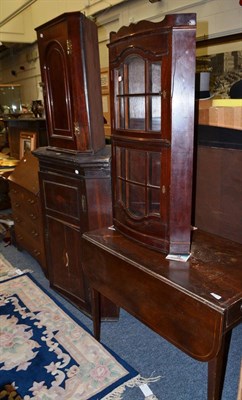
[
  {"x": 136, "y": 75},
  {"x": 136, "y": 166},
  {"x": 155, "y": 101},
  {"x": 155, "y": 77},
  {"x": 135, "y": 201},
  {"x": 120, "y": 81},
  {"x": 120, "y": 113},
  {"x": 119, "y": 102},
  {"x": 154, "y": 201},
  {"x": 155, "y": 113},
  {"x": 154, "y": 169},
  {"x": 137, "y": 113},
  {"x": 118, "y": 161}
]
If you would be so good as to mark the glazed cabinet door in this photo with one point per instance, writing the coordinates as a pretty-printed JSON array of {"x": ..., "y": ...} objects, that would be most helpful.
[
  {"x": 141, "y": 140},
  {"x": 66, "y": 274}
]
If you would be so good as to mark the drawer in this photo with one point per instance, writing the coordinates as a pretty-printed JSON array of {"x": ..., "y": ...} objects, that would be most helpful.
[
  {"x": 30, "y": 237},
  {"x": 33, "y": 245},
  {"x": 14, "y": 190},
  {"x": 27, "y": 217},
  {"x": 24, "y": 200},
  {"x": 17, "y": 199},
  {"x": 28, "y": 234}
]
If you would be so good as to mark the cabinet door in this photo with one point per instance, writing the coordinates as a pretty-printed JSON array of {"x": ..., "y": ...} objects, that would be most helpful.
[
  {"x": 66, "y": 274},
  {"x": 140, "y": 193},
  {"x": 57, "y": 91},
  {"x": 140, "y": 168}
]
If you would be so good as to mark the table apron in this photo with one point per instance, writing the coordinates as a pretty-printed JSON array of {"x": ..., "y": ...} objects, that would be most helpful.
[{"x": 191, "y": 325}]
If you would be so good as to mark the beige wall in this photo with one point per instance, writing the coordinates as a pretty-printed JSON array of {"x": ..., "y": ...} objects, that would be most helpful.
[{"x": 214, "y": 18}]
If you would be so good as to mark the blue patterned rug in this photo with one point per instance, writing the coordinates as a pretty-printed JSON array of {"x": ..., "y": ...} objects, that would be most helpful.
[{"x": 47, "y": 354}]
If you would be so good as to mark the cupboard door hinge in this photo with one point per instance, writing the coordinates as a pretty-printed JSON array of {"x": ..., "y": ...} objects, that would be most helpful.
[
  {"x": 69, "y": 47},
  {"x": 76, "y": 128}
]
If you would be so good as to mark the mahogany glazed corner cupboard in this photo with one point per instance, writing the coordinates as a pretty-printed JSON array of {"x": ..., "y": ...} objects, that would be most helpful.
[
  {"x": 75, "y": 172},
  {"x": 152, "y": 77}
]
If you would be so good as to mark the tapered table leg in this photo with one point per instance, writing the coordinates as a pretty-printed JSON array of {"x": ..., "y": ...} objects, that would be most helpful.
[
  {"x": 217, "y": 368},
  {"x": 96, "y": 313}
]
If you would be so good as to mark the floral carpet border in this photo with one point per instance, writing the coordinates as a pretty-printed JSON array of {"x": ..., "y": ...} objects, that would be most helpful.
[{"x": 39, "y": 334}]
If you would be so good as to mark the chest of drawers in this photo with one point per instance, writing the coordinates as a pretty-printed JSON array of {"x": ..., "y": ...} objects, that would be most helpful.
[{"x": 26, "y": 208}]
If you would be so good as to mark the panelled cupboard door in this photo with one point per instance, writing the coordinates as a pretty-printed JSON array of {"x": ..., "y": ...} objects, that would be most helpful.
[
  {"x": 66, "y": 274},
  {"x": 70, "y": 69},
  {"x": 152, "y": 78}
]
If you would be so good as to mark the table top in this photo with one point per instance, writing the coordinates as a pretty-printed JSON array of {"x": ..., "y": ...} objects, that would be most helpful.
[{"x": 213, "y": 273}]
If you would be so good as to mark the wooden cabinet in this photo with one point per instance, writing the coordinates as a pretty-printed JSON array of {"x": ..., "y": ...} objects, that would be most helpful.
[
  {"x": 26, "y": 208},
  {"x": 76, "y": 197},
  {"x": 152, "y": 78},
  {"x": 70, "y": 69}
]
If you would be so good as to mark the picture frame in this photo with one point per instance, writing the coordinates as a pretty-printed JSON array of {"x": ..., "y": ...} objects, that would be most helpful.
[
  {"x": 27, "y": 143},
  {"x": 105, "y": 80},
  {"x": 106, "y": 101},
  {"x": 219, "y": 58},
  {"x": 206, "y": 41}
]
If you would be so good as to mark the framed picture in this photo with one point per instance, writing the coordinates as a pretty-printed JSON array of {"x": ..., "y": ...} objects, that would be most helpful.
[
  {"x": 27, "y": 143},
  {"x": 220, "y": 59},
  {"x": 106, "y": 115},
  {"x": 104, "y": 80}
]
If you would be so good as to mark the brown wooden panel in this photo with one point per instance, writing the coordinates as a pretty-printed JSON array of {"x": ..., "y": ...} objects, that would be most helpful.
[{"x": 218, "y": 199}]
